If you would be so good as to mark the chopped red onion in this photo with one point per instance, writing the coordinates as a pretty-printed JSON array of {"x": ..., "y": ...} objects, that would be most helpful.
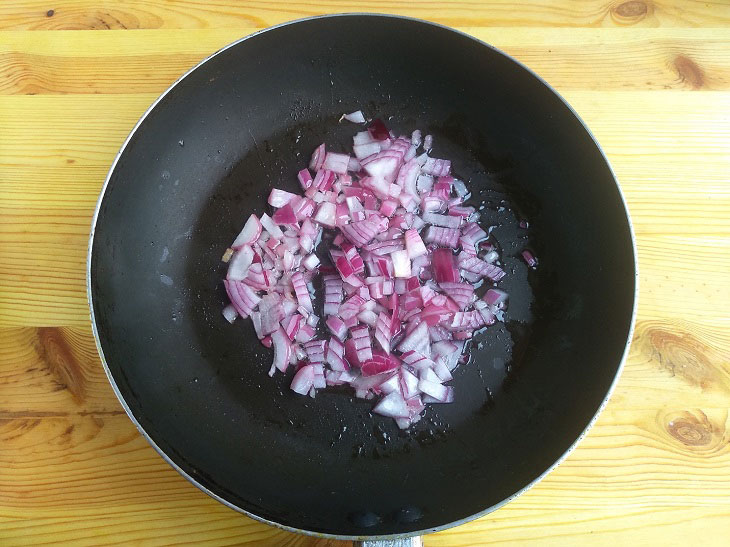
[
  {"x": 271, "y": 227},
  {"x": 354, "y": 117},
  {"x": 249, "y": 234},
  {"x": 436, "y": 167},
  {"x": 303, "y": 380},
  {"x": 315, "y": 164},
  {"x": 301, "y": 291},
  {"x": 401, "y": 331},
  {"x": 443, "y": 266},
  {"x": 305, "y": 178},
  {"x": 240, "y": 263},
  {"x": 392, "y": 405},
  {"x": 230, "y": 313},
  {"x": 401, "y": 263},
  {"x": 428, "y": 143},
  {"x": 378, "y": 130},
  {"x": 496, "y": 298},
  {"x": 444, "y": 237},
  {"x": 279, "y": 198},
  {"x": 337, "y": 163},
  {"x": 414, "y": 244},
  {"x": 285, "y": 215},
  {"x": 441, "y": 220},
  {"x": 325, "y": 214},
  {"x": 529, "y": 258},
  {"x": 481, "y": 268},
  {"x": 282, "y": 349}
]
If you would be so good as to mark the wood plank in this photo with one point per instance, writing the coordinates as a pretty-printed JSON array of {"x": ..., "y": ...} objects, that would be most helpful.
[
  {"x": 55, "y": 371},
  {"x": 86, "y": 466},
  {"x": 643, "y": 526},
  {"x": 631, "y": 127},
  {"x": 651, "y": 85},
  {"x": 139, "y": 14},
  {"x": 48, "y": 62},
  {"x": 51, "y": 371}
]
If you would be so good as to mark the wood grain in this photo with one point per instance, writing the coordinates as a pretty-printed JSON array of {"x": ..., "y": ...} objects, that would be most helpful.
[
  {"x": 144, "y": 14},
  {"x": 603, "y": 59},
  {"x": 650, "y": 78},
  {"x": 658, "y": 157},
  {"x": 56, "y": 464}
]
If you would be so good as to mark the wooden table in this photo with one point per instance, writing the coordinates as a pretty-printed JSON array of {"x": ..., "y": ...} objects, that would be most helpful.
[{"x": 650, "y": 77}]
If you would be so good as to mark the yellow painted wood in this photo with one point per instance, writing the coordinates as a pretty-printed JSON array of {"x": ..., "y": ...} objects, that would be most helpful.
[{"x": 651, "y": 79}]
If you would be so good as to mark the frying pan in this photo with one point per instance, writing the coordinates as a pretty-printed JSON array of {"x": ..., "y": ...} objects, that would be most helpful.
[{"x": 205, "y": 156}]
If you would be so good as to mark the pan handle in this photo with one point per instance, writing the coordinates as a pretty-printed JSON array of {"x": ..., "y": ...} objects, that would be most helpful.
[{"x": 416, "y": 541}]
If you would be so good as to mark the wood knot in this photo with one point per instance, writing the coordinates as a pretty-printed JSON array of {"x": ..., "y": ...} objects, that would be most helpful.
[
  {"x": 683, "y": 355},
  {"x": 634, "y": 9},
  {"x": 695, "y": 430},
  {"x": 58, "y": 355},
  {"x": 50, "y": 13},
  {"x": 691, "y": 431},
  {"x": 688, "y": 71},
  {"x": 118, "y": 20}
]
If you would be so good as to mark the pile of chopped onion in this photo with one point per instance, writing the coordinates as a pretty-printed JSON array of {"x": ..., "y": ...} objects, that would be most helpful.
[{"x": 398, "y": 300}]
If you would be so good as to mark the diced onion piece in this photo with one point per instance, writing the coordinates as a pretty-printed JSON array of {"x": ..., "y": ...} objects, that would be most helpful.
[
  {"x": 240, "y": 263},
  {"x": 433, "y": 389},
  {"x": 310, "y": 261},
  {"x": 315, "y": 164},
  {"x": 230, "y": 313},
  {"x": 303, "y": 380},
  {"x": 354, "y": 117},
  {"x": 401, "y": 263},
  {"x": 443, "y": 266},
  {"x": 392, "y": 405},
  {"x": 529, "y": 258},
  {"x": 336, "y": 163},
  {"x": 271, "y": 227},
  {"x": 279, "y": 198},
  {"x": 250, "y": 233},
  {"x": 441, "y": 220},
  {"x": 496, "y": 298},
  {"x": 326, "y": 214},
  {"x": 414, "y": 244},
  {"x": 282, "y": 349}
]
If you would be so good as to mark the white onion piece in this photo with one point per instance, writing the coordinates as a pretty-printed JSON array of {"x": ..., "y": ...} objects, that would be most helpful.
[
  {"x": 250, "y": 233},
  {"x": 279, "y": 198},
  {"x": 282, "y": 349},
  {"x": 270, "y": 227},
  {"x": 393, "y": 406},
  {"x": 310, "y": 262},
  {"x": 428, "y": 143},
  {"x": 240, "y": 263},
  {"x": 433, "y": 389},
  {"x": 401, "y": 263},
  {"x": 414, "y": 244},
  {"x": 303, "y": 380},
  {"x": 354, "y": 117},
  {"x": 230, "y": 313},
  {"x": 326, "y": 214},
  {"x": 337, "y": 163}
]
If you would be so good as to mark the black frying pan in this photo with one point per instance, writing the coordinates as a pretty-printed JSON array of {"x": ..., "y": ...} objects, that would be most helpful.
[{"x": 206, "y": 155}]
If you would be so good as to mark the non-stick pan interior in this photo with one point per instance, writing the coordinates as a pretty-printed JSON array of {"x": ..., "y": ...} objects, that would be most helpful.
[{"x": 206, "y": 157}]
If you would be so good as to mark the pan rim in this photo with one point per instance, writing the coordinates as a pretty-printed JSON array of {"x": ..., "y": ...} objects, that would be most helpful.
[{"x": 360, "y": 537}]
